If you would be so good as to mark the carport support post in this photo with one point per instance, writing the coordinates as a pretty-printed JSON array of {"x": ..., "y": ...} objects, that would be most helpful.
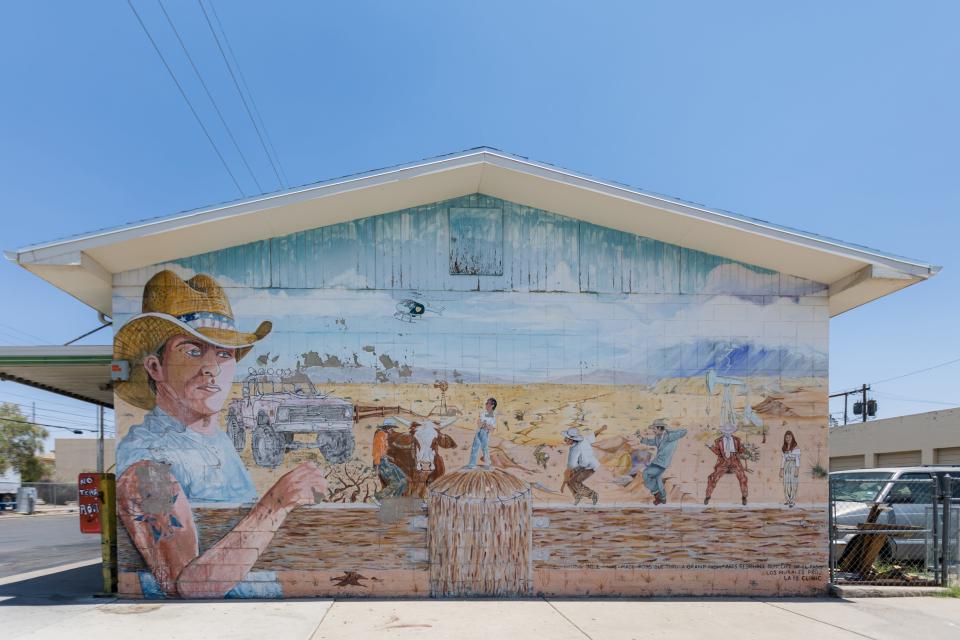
[
  {"x": 108, "y": 531},
  {"x": 100, "y": 440}
]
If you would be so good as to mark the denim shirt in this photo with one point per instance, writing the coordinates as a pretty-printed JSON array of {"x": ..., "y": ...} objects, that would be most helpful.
[
  {"x": 666, "y": 446},
  {"x": 207, "y": 467}
]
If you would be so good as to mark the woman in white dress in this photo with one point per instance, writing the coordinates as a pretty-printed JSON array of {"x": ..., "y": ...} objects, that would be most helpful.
[{"x": 790, "y": 468}]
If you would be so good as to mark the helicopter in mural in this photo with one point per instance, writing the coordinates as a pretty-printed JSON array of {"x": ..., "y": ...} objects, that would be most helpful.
[{"x": 411, "y": 310}]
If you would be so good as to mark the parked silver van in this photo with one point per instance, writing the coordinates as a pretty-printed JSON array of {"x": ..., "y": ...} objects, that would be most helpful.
[{"x": 899, "y": 503}]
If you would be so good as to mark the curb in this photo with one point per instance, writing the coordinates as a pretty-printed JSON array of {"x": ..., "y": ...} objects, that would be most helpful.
[
  {"x": 873, "y": 591},
  {"x": 42, "y": 512},
  {"x": 39, "y": 573}
]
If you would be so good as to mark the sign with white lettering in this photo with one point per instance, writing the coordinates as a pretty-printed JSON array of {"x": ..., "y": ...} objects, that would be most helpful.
[{"x": 88, "y": 487}]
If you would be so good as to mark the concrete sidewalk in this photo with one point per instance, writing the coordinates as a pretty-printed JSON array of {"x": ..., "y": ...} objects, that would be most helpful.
[{"x": 825, "y": 619}]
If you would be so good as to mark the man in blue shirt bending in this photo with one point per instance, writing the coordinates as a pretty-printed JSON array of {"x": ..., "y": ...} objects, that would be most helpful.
[{"x": 665, "y": 440}]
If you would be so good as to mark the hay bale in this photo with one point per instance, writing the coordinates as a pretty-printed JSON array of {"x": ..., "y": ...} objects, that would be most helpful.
[{"x": 481, "y": 535}]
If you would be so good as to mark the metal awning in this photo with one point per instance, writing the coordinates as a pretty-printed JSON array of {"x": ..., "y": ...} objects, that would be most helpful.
[{"x": 78, "y": 372}]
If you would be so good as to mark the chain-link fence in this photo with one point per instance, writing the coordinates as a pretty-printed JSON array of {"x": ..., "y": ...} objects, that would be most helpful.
[
  {"x": 58, "y": 493},
  {"x": 894, "y": 528}
]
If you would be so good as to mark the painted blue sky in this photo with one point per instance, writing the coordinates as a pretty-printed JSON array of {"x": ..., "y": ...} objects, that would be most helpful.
[
  {"x": 508, "y": 338},
  {"x": 837, "y": 118}
]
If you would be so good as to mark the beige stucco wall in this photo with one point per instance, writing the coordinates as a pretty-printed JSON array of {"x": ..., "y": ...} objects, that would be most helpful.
[
  {"x": 926, "y": 432},
  {"x": 76, "y": 455}
]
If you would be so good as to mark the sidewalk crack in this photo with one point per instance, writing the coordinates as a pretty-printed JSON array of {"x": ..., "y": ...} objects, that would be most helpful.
[
  {"x": 333, "y": 602},
  {"x": 572, "y": 623},
  {"x": 829, "y": 624}
]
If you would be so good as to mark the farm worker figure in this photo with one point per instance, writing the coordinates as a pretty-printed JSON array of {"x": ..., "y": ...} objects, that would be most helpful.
[
  {"x": 486, "y": 423},
  {"x": 394, "y": 481},
  {"x": 665, "y": 440},
  {"x": 581, "y": 463},
  {"x": 183, "y": 350}
]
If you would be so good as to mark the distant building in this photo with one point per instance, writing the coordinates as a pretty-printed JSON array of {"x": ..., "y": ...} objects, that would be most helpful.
[
  {"x": 904, "y": 441},
  {"x": 76, "y": 455}
]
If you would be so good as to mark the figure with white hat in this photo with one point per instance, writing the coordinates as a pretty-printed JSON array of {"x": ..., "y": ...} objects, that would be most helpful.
[
  {"x": 665, "y": 440},
  {"x": 392, "y": 478},
  {"x": 183, "y": 350},
  {"x": 581, "y": 463}
]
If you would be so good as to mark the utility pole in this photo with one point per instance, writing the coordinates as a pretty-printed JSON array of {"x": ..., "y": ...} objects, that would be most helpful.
[
  {"x": 864, "y": 411},
  {"x": 100, "y": 441}
]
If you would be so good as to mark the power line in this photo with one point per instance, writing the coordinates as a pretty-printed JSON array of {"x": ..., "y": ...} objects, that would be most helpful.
[
  {"x": 240, "y": 92},
  {"x": 243, "y": 81},
  {"x": 185, "y": 98},
  {"x": 41, "y": 408},
  {"x": 216, "y": 108},
  {"x": 894, "y": 396},
  {"x": 53, "y": 402},
  {"x": 16, "y": 340},
  {"x": 913, "y": 373},
  {"x": 29, "y": 335},
  {"x": 49, "y": 426}
]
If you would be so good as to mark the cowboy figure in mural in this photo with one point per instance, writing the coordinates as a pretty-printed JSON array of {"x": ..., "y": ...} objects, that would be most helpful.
[
  {"x": 392, "y": 478},
  {"x": 666, "y": 441},
  {"x": 183, "y": 350},
  {"x": 581, "y": 463}
]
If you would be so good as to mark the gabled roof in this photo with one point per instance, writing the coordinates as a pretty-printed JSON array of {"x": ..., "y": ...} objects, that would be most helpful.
[{"x": 83, "y": 266}]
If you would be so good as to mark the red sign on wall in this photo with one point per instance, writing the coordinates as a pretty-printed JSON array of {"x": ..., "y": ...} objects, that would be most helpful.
[{"x": 88, "y": 486}]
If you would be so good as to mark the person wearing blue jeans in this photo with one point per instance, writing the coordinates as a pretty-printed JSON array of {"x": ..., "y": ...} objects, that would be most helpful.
[
  {"x": 665, "y": 440},
  {"x": 486, "y": 423}
]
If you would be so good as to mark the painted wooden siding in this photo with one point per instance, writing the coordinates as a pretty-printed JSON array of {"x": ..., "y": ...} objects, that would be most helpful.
[{"x": 534, "y": 251}]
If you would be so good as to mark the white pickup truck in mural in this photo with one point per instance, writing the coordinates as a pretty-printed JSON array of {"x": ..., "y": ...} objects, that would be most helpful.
[{"x": 277, "y": 405}]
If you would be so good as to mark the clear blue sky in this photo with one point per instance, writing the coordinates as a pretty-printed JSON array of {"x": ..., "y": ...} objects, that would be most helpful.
[{"x": 836, "y": 118}]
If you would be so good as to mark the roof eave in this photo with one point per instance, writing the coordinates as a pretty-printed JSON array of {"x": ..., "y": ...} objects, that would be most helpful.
[{"x": 73, "y": 265}]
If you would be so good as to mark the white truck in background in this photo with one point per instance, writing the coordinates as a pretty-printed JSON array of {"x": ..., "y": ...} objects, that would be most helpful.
[{"x": 9, "y": 484}]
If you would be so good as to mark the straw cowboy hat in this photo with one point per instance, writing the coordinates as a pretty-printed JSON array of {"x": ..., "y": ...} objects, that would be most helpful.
[
  {"x": 572, "y": 433},
  {"x": 171, "y": 307},
  {"x": 659, "y": 422}
]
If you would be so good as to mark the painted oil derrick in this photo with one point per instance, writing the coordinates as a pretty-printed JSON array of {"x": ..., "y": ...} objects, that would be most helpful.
[{"x": 480, "y": 535}]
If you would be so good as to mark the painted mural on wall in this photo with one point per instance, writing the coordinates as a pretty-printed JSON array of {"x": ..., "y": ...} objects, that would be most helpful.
[{"x": 310, "y": 415}]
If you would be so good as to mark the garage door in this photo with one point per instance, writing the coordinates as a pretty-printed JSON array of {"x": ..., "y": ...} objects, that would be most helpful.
[
  {"x": 846, "y": 463},
  {"x": 898, "y": 459},
  {"x": 950, "y": 455}
]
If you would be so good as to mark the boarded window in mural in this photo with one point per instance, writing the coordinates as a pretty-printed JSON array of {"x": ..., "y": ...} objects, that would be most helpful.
[
  {"x": 298, "y": 441},
  {"x": 476, "y": 241}
]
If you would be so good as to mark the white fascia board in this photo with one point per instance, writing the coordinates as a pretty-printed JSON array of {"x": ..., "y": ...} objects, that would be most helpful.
[
  {"x": 730, "y": 220},
  {"x": 53, "y": 250},
  {"x": 86, "y": 262}
]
